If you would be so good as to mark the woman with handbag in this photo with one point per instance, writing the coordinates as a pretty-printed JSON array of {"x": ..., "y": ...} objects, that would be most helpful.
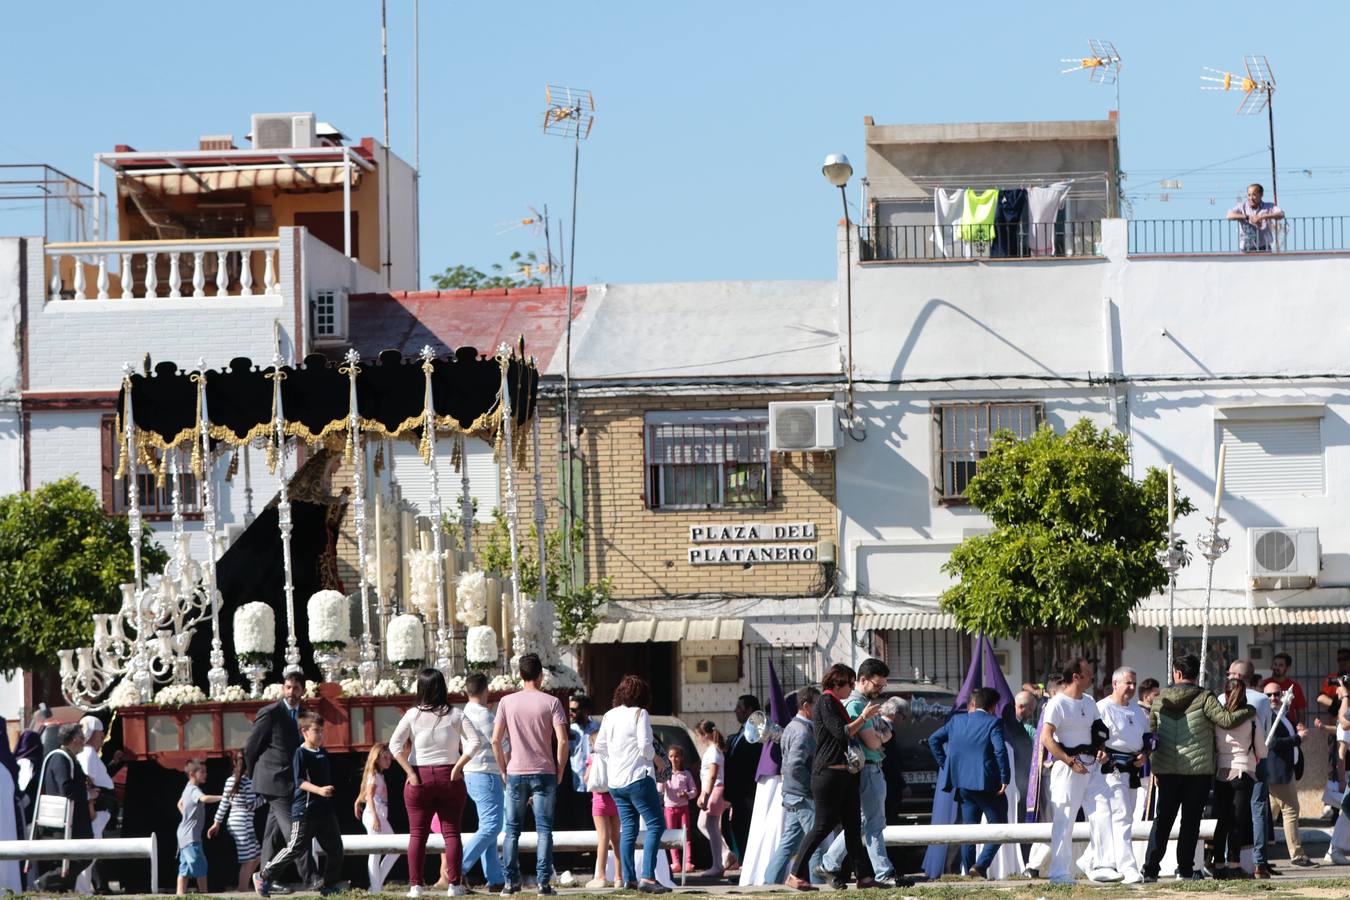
[
  {"x": 631, "y": 764},
  {"x": 1238, "y": 750}
]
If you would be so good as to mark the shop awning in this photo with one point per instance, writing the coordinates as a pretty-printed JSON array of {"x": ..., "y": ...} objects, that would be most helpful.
[
  {"x": 903, "y": 621},
  {"x": 1233, "y": 617},
  {"x": 641, "y": 631},
  {"x": 198, "y": 181}
]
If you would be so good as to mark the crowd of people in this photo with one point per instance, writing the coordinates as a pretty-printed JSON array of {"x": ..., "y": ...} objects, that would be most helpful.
[{"x": 1144, "y": 755}]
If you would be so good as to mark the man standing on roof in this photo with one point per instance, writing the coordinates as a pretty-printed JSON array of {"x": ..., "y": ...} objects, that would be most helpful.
[{"x": 1255, "y": 233}]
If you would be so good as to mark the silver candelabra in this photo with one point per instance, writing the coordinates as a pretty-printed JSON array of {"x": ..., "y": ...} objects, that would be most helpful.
[{"x": 1212, "y": 546}]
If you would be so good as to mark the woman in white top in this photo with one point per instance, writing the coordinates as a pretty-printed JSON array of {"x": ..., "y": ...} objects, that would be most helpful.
[
  {"x": 483, "y": 779},
  {"x": 426, "y": 744},
  {"x": 372, "y": 808},
  {"x": 625, "y": 743},
  {"x": 712, "y": 779},
  {"x": 1237, "y": 751}
]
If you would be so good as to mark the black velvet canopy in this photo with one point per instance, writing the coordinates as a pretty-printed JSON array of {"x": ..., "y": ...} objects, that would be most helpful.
[{"x": 316, "y": 398}]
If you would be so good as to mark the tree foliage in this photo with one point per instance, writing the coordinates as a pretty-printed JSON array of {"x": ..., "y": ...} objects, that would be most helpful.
[
  {"x": 520, "y": 271},
  {"x": 62, "y": 559},
  {"x": 1075, "y": 539},
  {"x": 577, "y": 607}
]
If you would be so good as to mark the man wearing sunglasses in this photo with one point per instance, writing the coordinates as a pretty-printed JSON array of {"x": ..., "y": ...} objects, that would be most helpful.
[{"x": 1284, "y": 767}]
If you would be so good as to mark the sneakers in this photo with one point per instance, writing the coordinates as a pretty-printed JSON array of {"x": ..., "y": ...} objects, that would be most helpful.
[
  {"x": 1303, "y": 862},
  {"x": 510, "y": 888},
  {"x": 1337, "y": 857},
  {"x": 596, "y": 884},
  {"x": 261, "y": 885},
  {"x": 1103, "y": 875},
  {"x": 1131, "y": 878},
  {"x": 414, "y": 890},
  {"x": 546, "y": 890},
  {"x": 458, "y": 890},
  {"x": 1148, "y": 879},
  {"x": 651, "y": 887},
  {"x": 833, "y": 879}
]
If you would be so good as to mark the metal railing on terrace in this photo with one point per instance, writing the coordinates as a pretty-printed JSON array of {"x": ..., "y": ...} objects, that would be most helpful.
[
  {"x": 1306, "y": 234},
  {"x": 940, "y": 243}
]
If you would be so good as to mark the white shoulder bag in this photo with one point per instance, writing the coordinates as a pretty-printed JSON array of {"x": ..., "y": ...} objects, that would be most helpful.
[{"x": 597, "y": 776}]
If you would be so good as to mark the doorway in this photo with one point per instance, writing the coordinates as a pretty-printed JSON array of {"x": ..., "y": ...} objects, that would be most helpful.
[{"x": 606, "y": 664}]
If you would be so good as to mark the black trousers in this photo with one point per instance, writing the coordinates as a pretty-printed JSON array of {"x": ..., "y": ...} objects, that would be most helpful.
[
  {"x": 323, "y": 828},
  {"x": 1187, "y": 794},
  {"x": 277, "y": 833},
  {"x": 1233, "y": 810},
  {"x": 835, "y": 793}
]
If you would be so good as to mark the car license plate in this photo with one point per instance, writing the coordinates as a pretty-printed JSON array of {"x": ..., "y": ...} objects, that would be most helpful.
[{"x": 921, "y": 777}]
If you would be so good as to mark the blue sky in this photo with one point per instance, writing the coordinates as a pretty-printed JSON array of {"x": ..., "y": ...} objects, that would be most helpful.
[{"x": 713, "y": 117}]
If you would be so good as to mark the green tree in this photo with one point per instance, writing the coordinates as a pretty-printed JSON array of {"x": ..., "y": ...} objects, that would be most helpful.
[
  {"x": 578, "y": 608},
  {"x": 1075, "y": 540},
  {"x": 520, "y": 271},
  {"x": 62, "y": 559}
]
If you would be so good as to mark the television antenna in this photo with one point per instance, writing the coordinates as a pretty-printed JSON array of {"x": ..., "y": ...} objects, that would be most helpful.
[
  {"x": 1257, "y": 84},
  {"x": 540, "y": 225},
  {"x": 570, "y": 114},
  {"x": 1103, "y": 67}
]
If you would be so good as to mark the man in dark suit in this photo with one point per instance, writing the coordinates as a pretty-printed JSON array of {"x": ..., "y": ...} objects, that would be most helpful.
[
  {"x": 268, "y": 754},
  {"x": 739, "y": 790},
  {"x": 976, "y": 768}
]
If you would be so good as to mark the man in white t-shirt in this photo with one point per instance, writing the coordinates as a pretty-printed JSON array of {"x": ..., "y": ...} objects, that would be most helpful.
[
  {"x": 1112, "y": 849},
  {"x": 1075, "y": 777}
]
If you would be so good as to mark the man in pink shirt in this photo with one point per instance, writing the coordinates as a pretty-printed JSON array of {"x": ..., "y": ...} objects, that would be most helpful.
[{"x": 533, "y": 724}]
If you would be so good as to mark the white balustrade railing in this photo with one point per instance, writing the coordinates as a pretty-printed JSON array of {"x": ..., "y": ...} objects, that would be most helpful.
[{"x": 227, "y": 265}]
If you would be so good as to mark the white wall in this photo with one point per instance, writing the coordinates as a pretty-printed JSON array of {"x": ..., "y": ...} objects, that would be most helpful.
[
  {"x": 414, "y": 477},
  {"x": 399, "y": 180}
]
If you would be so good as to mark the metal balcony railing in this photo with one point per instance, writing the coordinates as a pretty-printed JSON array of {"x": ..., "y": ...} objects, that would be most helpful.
[
  {"x": 1307, "y": 234},
  {"x": 938, "y": 243}
]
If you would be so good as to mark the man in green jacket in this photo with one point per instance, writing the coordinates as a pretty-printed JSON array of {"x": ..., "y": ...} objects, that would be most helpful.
[{"x": 1183, "y": 719}]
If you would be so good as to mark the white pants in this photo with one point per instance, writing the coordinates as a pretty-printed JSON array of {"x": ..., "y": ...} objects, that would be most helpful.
[
  {"x": 1069, "y": 792},
  {"x": 84, "y": 884},
  {"x": 377, "y": 866},
  {"x": 1112, "y": 826}
]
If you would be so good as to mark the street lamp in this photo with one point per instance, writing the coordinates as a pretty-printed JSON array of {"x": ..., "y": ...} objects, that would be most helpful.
[{"x": 837, "y": 171}]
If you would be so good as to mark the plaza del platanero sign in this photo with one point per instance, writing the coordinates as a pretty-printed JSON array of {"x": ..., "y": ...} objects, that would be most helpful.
[{"x": 750, "y": 543}]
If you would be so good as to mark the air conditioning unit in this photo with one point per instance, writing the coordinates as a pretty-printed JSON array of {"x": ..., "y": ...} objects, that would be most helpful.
[
  {"x": 803, "y": 427},
  {"x": 1284, "y": 553},
  {"x": 283, "y": 131}
]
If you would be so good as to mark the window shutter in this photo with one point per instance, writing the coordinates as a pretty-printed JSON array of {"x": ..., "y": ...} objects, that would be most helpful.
[
  {"x": 1274, "y": 458},
  {"x": 108, "y": 441}
]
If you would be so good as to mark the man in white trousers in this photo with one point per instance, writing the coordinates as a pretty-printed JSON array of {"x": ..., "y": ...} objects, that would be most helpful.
[
  {"x": 1075, "y": 776},
  {"x": 1111, "y": 852}
]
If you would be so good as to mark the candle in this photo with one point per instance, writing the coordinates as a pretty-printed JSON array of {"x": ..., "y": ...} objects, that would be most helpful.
[
  {"x": 1218, "y": 480},
  {"x": 1171, "y": 498},
  {"x": 379, "y": 549}
]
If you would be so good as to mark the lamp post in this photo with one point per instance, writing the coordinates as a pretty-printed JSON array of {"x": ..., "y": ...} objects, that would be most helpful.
[{"x": 837, "y": 171}]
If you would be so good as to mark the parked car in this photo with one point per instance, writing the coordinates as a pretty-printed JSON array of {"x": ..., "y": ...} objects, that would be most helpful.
[{"x": 909, "y": 767}]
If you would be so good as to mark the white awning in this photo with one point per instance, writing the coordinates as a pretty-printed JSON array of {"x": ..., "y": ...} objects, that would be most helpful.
[
  {"x": 641, "y": 631},
  {"x": 903, "y": 621},
  {"x": 199, "y": 181},
  {"x": 1233, "y": 617}
]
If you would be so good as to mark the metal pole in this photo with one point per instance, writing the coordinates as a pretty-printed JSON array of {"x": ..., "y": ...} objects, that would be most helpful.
[
  {"x": 508, "y": 454},
  {"x": 346, "y": 203},
  {"x": 1270, "y": 119},
  {"x": 292, "y": 655},
  {"x": 417, "y": 144},
  {"x": 848, "y": 282},
  {"x": 567, "y": 370},
  {"x": 540, "y": 514},
  {"x": 434, "y": 508},
  {"x": 217, "y": 678},
  {"x": 385, "y": 176},
  {"x": 368, "y": 668}
]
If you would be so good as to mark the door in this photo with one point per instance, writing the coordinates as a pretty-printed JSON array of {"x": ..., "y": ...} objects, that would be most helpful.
[
  {"x": 327, "y": 227},
  {"x": 606, "y": 664}
]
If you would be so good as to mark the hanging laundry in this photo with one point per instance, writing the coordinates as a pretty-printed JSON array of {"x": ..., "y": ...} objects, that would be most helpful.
[
  {"x": 1010, "y": 236},
  {"x": 948, "y": 207},
  {"x": 977, "y": 219},
  {"x": 1043, "y": 206}
]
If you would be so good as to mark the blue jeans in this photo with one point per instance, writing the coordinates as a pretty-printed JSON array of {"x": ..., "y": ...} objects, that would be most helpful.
[
  {"x": 799, "y": 816},
  {"x": 485, "y": 789},
  {"x": 635, "y": 801},
  {"x": 1260, "y": 805},
  {"x": 994, "y": 807},
  {"x": 544, "y": 791},
  {"x": 872, "y": 796}
]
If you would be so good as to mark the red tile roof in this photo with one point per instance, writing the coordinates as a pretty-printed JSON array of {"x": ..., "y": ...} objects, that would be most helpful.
[{"x": 447, "y": 320}]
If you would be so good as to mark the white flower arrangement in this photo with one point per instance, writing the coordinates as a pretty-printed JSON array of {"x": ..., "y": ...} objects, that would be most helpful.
[
  {"x": 471, "y": 598},
  {"x": 233, "y": 693},
  {"x": 456, "y": 684},
  {"x": 311, "y": 689},
  {"x": 179, "y": 695},
  {"x": 385, "y": 687},
  {"x": 330, "y": 620},
  {"x": 422, "y": 587},
  {"x": 272, "y": 692},
  {"x": 351, "y": 687},
  {"x": 125, "y": 694},
  {"x": 405, "y": 644},
  {"x": 480, "y": 646},
  {"x": 504, "y": 683},
  {"x": 255, "y": 632}
]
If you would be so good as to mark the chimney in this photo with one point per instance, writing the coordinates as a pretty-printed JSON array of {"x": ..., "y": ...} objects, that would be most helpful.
[{"x": 216, "y": 142}]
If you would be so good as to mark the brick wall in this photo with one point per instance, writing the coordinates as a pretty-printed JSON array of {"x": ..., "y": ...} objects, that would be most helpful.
[{"x": 645, "y": 551}]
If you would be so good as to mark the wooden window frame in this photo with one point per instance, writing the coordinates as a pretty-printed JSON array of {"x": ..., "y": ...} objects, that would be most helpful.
[{"x": 113, "y": 489}]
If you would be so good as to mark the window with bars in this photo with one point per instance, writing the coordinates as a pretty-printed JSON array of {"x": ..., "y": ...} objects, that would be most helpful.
[
  {"x": 937, "y": 654},
  {"x": 963, "y": 432},
  {"x": 708, "y": 461},
  {"x": 156, "y": 502},
  {"x": 794, "y": 664}
]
